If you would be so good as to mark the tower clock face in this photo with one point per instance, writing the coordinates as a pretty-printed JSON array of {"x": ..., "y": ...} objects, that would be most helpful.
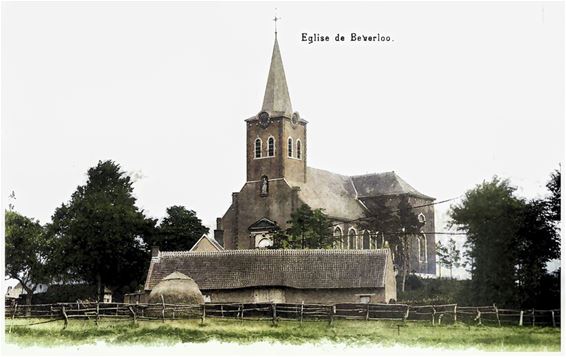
[{"x": 263, "y": 119}]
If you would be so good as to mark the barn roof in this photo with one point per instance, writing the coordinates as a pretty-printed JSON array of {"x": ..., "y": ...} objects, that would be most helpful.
[{"x": 301, "y": 269}]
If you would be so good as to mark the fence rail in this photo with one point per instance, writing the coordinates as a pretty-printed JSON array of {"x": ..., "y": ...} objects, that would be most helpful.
[{"x": 435, "y": 314}]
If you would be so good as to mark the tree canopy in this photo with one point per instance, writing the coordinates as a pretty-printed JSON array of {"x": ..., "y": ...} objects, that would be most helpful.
[
  {"x": 308, "y": 228},
  {"x": 400, "y": 226},
  {"x": 179, "y": 230},
  {"x": 100, "y": 233},
  {"x": 509, "y": 241},
  {"x": 27, "y": 252}
]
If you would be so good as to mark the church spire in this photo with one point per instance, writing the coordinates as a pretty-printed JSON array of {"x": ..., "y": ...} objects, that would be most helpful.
[{"x": 276, "y": 100}]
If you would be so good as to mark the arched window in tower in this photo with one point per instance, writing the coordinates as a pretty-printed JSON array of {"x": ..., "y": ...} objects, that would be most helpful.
[
  {"x": 366, "y": 240},
  {"x": 264, "y": 186},
  {"x": 298, "y": 149},
  {"x": 337, "y": 238},
  {"x": 257, "y": 148},
  {"x": 352, "y": 238},
  {"x": 271, "y": 146},
  {"x": 422, "y": 248},
  {"x": 290, "y": 147}
]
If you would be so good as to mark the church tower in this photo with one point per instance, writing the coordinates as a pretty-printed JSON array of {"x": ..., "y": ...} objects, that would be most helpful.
[{"x": 276, "y": 145}]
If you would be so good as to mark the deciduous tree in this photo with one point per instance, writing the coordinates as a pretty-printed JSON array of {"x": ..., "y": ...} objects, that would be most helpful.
[
  {"x": 179, "y": 230},
  {"x": 27, "y": 251},
  {"x": 308, "y": 228},
  {"x": 100, "y": 232}
]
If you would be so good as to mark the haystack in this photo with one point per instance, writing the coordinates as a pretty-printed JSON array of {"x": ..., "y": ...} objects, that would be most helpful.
[{"x": 176, "y": 288}]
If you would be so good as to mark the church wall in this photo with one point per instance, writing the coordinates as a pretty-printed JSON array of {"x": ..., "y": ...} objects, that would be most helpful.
[
  {"x": 251, "y": 206},
  {"x": 229, "y": 232}
]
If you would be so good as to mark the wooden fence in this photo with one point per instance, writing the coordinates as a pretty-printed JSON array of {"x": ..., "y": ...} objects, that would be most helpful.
[{"x": 274, "y": 312}]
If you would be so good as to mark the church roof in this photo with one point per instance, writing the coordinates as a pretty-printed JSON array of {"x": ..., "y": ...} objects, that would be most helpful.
[
  {"x": 383, "y": 184},
  {"x": 276, "y": 100},
  {"x": 301, "y": 269},
  {"x": 339, "y": 194},
  {"x": 333, "y": 192}
]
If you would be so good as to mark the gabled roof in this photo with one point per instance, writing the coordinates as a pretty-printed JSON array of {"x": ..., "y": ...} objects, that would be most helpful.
[
  {"x": 383, "y": 184},
  {"x": 212, "y": 241},
  {"x": 333, "y": 192},
  {"x": 301, "y": 269},
  {"x": 263, "y": 224},
  {"x": 276, "y": 100}
]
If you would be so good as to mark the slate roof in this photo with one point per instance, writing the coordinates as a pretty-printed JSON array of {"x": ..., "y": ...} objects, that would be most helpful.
[
  {"x": 383, "y": 184},
  {"x": 276, "y": 100},
  {"x": 339, "y": 195},
  {"x": 301, "y": 269},
  {"x": 333, "y": 192}
]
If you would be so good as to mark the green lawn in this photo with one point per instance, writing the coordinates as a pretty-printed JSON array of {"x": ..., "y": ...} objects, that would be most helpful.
[{"x": 384, "y": 333}]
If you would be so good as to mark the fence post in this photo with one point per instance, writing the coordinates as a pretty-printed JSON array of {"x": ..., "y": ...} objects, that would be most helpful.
[
  {"x": 133, "y": 313},
  {"x": 97, "y": 312},
  {"x": 274, "y": 309},
  {"x": 331, "y": 314},
  {"x": 163, "y": 309},
  {"x": 65, "y": 316},
  {"x": 521, "y": 318},
  {"x": 553, "y": 320},
  {"x": 13, "y": 316},
  {"x": 455, "y": 313},
  {"x": 478, "y": 317},
  {"x": 433, "y": 313},
  {"x": 533, "y": 316},
  {"x": 367, "y": 312},
  {"x": 222, "y": 310},
  {"x": 203, "y": 317},
  {"x": 301, "y": 315},
  {"x": 497, "y": 315},
  {"x": 242, "y": 311},
  {"x": 406, "y": 314}
]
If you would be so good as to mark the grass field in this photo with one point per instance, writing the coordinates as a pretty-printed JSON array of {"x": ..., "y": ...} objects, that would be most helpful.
[{"x": 380, "y": 333}]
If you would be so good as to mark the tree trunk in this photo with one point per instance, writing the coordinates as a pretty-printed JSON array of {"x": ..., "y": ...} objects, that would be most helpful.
[
  {"x": 450, "y": 271},
  {"x": 29, "y": 297},
  {"x": 99, "y": 293}
]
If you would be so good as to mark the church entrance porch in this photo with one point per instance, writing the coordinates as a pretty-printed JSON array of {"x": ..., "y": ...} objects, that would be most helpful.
[{"x": 261, "y": 233}]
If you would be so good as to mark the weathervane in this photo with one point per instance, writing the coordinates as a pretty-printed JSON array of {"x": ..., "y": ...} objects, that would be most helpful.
[{"x": 275, "y": 19}]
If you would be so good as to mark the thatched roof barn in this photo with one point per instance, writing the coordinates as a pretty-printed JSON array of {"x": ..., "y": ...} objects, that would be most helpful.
[
  {"x": 286, "y": 275},
  {"x": 176, "y": 288}
]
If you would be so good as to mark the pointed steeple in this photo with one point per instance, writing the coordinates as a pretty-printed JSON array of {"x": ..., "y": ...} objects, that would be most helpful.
[{"x": 276, "y": 100}]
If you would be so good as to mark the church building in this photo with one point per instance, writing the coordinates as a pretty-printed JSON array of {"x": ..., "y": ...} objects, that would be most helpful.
[{"x": 278, "y": 181}]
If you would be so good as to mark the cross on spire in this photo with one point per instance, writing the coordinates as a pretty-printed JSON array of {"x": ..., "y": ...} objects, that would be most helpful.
[{"x": 275, "y": 19}]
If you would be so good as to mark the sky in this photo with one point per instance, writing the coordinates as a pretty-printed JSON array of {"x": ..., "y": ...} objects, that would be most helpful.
[{"x": 461, "y": 92}]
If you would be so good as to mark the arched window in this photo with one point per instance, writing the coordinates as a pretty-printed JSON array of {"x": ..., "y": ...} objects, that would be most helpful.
[
  {"x": 352, "y": 238},
  {"x": 422, "y": 248},
  {"x": 271, "y": 146},
  {"x": 337, "y": 237},
  {"x": 290, "y": 147},
  {"x": 257, "y": 148},
  {"x": 366, "y": 240},
  {"x": 298, "y": 149}
]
